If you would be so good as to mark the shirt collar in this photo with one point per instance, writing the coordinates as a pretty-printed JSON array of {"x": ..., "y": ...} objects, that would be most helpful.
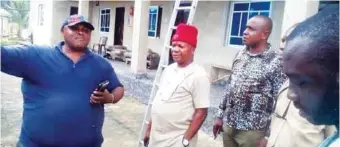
[
  {"x": 59, "y": 47},
  {"x": 262, "y": 54},
  {"x": 185, "y": 70}
]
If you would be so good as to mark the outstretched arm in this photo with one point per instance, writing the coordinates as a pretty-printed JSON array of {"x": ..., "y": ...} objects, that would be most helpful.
[{"x": 15, "y": 59}]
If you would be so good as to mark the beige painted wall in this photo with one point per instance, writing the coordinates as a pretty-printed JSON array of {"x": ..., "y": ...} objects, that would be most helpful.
[
  {"x": 156, "y": 44},
  {"x": 55, "y": 12},
  {"x": 95, "y": 21},
  {"x": 211, "y": 18},
  {"x": 305, "y": 10},
  {"x": 4, "y": 26},
  {"x": 41, "y": 34},
  {"x": 153, "y": 43},
  {"x": 213, "y": 22},
  {"x": 61, "y": 10}
]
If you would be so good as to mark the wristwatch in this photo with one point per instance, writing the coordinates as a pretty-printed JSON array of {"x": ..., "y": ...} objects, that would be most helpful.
[
  {"x": 219, "y": 113},
  {"x": 185, "y": 142}
]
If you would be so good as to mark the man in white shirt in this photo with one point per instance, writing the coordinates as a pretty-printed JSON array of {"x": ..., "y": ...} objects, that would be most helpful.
[{"x": 181, "y": 103}]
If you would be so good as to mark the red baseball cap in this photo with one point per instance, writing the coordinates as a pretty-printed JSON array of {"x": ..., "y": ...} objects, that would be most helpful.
[{"x": 77, "y": 19}]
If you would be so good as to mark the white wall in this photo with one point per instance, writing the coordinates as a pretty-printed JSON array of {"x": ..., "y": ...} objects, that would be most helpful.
[
  {"x": 55, "y": 12},
  {"x": 61, "y": 11},
  {"x": 305, "y": 9},
  {"x": 96, "y": 18},
  {"x": 277, "y": 17},
  {"x": 211, "y": 19},
  {"x": 42, "y": 35},
  {"x": 156, "y": 44},
  {"x": 4, "y": 26}
]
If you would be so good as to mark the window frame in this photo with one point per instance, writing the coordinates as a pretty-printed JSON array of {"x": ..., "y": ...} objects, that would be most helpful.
[
  {"x": 100, "y": 20},
  {"x": 41, "y": 8},
  {"x": 230, "y": 19},
  {"x": 156, "y": 23}
]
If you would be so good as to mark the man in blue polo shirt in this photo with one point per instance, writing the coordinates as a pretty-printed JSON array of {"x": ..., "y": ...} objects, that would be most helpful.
[{"x": 61, "y": 104}]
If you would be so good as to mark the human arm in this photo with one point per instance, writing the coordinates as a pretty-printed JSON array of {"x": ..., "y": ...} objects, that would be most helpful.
[
  {"x": 218, "y": 123},
  {"x": 201, "y": 100},
  {"x": 279, "y": 85},
  {"x": 198, "y": 118},
  {"x": 147, "y": 133},
  {"x": 114, "y": 92},
  {"x": 16, "y": 59}
]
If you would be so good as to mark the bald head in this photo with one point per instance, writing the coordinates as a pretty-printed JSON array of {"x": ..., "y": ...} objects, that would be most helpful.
[
  {"x": 267, "y": 23},
  {"x": 285, "y": 35},
  {"x": 317, "y": 38},
  {"x": 257, "y": 31}
]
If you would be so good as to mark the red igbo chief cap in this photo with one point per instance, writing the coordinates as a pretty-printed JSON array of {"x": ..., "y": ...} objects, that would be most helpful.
[{"x": 186, "y": 33}]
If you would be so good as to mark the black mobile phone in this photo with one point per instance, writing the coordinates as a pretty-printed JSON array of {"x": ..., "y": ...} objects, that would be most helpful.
[{"x": 102, "y": 86}]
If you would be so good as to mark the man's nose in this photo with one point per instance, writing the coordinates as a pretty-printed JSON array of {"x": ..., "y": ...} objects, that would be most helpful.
[
  {"x": 245, "y": 32},
  {"x": 175, "y": 49},
  {"x": 292, "y": 95},
  {"x": 81, "y": 32}
]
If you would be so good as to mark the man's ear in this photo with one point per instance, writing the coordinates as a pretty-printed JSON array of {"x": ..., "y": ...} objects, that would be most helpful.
[
  {"x": 192, "y": 49},
  {"x": 265, "y": 35}
]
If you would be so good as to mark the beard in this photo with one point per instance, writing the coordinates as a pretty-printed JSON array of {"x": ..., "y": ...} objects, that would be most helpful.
[{"x": 74, "y": 46}]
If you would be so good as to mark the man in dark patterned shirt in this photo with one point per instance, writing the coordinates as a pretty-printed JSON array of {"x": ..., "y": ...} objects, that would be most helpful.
[{"x": 256, "y": 79}]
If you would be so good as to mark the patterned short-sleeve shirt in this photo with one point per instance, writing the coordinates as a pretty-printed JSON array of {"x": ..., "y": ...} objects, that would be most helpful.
[{"x": 253, "y": 86}]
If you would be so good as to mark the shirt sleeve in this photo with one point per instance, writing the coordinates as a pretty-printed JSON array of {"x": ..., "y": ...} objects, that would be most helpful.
[
  {"x": 201, "y": 92},
  {"x": 223, "y": 104},
  {"x": 113, "y": 79},
  {"x": 15, "y": 59},
  {"x": 278, "y": 77}
]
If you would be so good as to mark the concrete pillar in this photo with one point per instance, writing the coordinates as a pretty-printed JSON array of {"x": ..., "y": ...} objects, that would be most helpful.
[
  {"x": 296, "y": 11},
  {"x": 83, "y": 8},
  {"x": 140, "y": 37}
]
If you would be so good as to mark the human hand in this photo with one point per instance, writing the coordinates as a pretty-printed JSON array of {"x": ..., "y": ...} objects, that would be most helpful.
[
  {"x": 262, "y": 142},
  {"x": 98, "y": 97},
  {"x": 218, "y": 127}
]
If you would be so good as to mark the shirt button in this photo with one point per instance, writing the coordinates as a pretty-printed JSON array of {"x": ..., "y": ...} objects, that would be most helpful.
[{"x": 93, "y": 126}]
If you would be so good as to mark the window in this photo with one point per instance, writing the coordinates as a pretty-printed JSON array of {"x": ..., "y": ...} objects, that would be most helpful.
[
  {"x": 40, "y": 14},
  {"x": 241, "y": 12},
  {"x": 104, "y": 20},
  {"x": 155, "y": 19},
  {"x": 74, "y": 10},
  {"x": 324, "y": 3}
]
